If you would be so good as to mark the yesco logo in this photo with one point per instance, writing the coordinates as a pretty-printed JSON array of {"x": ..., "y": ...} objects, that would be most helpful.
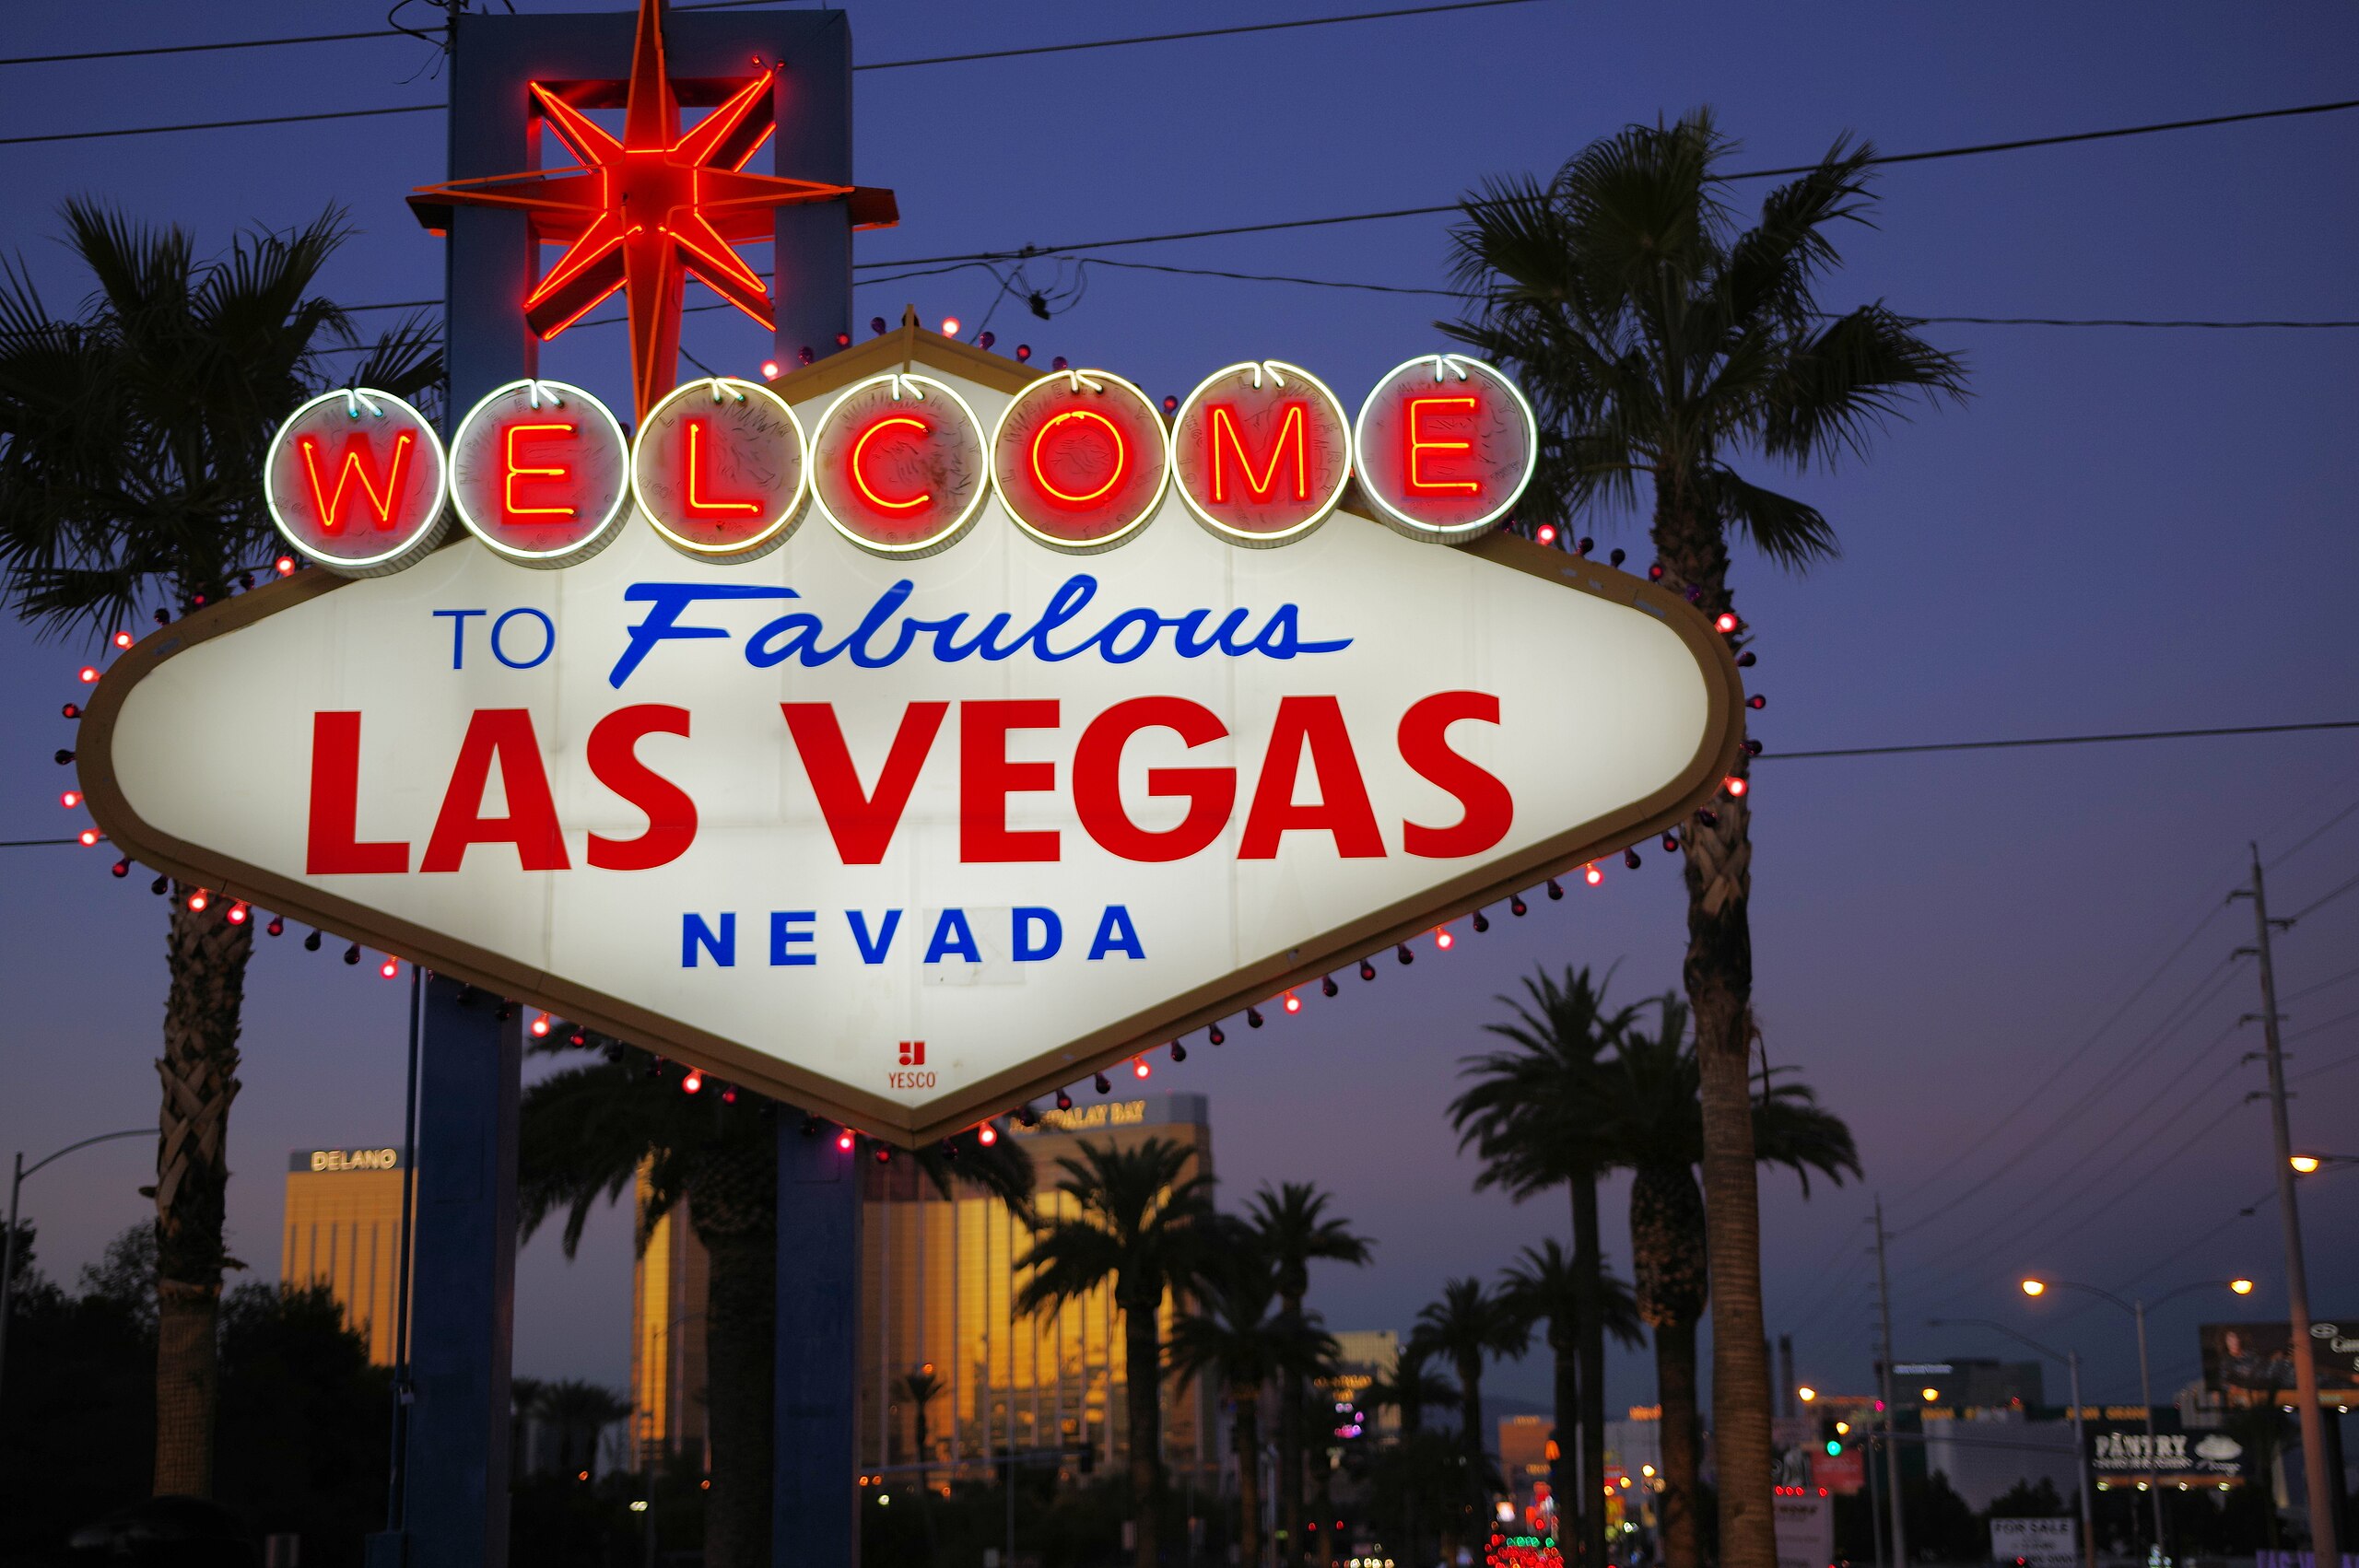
[{"x": 899, "y": 464}]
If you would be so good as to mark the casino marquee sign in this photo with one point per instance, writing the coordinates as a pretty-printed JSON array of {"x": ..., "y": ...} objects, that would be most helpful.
[{"x": 919, "y": 731}]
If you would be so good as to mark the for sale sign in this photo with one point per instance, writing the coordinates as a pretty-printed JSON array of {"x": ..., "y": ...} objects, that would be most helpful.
[{"x": 915, "y": 733}]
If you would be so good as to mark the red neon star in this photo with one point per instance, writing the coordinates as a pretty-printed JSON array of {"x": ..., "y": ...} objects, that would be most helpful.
[{"x": 645, "y": 213}]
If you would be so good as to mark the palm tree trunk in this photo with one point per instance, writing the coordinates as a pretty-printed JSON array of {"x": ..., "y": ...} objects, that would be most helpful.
[
  {"x": 1143, "y": 1349},
  {"x": 732, "y": 1206},
  {"x": 1718, "y": 979},
  {"x": 1470, "y": 1422},
  {"x": 1589, "y": 1267},
  {"x": 1290, "y": 1535},
  {"x": 1563, "y": 1466},
  {"x": 207, "y": 956},
  {"x": 1245, "y": 1437},
  {"x": 1675, "y": 1386}
]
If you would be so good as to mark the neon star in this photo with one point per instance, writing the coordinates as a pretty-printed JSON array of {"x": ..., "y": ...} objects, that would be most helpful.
[{"x": 647, "y": 211}]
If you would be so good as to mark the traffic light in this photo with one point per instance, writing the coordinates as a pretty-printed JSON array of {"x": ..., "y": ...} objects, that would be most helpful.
[{"x": 1833, "y": 1447}]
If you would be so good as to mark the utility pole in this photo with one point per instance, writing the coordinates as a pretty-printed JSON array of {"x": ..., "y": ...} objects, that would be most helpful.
[
  {"x": 2320, "y": 1485},
  {"x": 1891, "y": 1405}
]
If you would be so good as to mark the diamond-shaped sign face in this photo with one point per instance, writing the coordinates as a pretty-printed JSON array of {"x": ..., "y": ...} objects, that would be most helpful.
[{"x": 908, "y": 841}]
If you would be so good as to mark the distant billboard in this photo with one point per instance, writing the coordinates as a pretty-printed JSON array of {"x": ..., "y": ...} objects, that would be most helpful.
[
  {"x": 2124, "y": 1454},
  {"x": 2252, "y": 1363}
]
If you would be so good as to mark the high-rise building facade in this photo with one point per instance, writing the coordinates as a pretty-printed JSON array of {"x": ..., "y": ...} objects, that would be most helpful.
[
  {"x": 343, "y": 1230},
  {"x": 939, "y": 1283},
  {"x": 667, "y": 1373}
]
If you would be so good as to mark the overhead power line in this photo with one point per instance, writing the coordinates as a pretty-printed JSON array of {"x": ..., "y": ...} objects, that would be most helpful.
[
  {"x": 2065, "y": 740},
  {"x": 1927, "y": 154},
  {"x": 870, "y": 65}
]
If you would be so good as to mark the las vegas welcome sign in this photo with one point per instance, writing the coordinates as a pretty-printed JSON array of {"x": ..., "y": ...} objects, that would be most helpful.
[{"x": 917, "y": 732}]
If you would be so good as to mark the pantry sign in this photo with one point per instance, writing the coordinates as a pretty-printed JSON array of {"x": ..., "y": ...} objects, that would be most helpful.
[{"x": 919, "y": 731}]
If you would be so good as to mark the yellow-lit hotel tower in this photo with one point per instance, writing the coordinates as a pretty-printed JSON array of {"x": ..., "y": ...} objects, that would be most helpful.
[
  {"x": 343, "y": 1230},
  {"x": 938, "y": 1287}
]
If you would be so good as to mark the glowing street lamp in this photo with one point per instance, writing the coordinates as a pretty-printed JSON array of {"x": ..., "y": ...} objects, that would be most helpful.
[
  {"x": 1806, "y": 1393},
  {"x": 2035, "y": 1286}
]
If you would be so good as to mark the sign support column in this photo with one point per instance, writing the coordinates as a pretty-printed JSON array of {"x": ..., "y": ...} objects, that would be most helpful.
[{"x": 814, "y": 1501}]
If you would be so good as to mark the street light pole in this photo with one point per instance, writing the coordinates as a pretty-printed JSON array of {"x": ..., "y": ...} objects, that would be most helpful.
[
  {"x": 2321, "y": 1487},
  {"x": 8, "y": 1249},
  {"x": 1891, "y": 1404},
  {"x": 2071, "y": 1359},
  {"x": 2137, "y": 1310},
  {"x": 2146, "y": 1399}
]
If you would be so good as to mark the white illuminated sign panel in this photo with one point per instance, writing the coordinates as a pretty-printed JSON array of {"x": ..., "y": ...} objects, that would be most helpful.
[{"x": 908, "y": 820}]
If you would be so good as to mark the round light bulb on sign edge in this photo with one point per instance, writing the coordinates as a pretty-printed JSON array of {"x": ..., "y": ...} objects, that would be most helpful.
[
  {"x": 351, "y": 444},
  {"x": 1073, "y": 498},
  {"x": 757, "y": 468},
  {"x": 1473, "y": 487},
  {"x": 950, "y": 489},
  {"x": 950, "y": 326},
  {"x": 1205, "y": 440},
  {"x": 517, "y": 478}
]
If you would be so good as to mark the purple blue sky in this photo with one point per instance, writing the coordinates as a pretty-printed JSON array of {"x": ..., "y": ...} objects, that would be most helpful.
[{"x": 2125, "y": 529}]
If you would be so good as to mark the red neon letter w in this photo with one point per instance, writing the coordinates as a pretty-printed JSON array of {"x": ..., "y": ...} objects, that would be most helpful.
[
  {"x": 1225, "y": 437},
  {"x": 359, "y": 462}
]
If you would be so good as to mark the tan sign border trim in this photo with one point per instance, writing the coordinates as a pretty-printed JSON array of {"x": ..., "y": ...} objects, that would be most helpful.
[{"x": 1074, "y": 1060}]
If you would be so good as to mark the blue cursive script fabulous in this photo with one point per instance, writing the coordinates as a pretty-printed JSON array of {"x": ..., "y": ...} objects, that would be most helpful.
[{"x": 885, "y": 634}]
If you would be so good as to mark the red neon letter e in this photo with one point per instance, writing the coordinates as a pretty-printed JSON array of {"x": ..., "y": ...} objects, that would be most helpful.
[{"x": 1416, "y": 443}]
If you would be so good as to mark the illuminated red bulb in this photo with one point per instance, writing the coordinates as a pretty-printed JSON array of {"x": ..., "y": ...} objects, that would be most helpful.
[
  {"x": 987, "y": 1135},
  {"x": 390, "y": 967},
  {"x": 770, "y": 369},
  {"x": 844, "y": 1140},
  {"x": 541, "y": 1025},
  {"x": 1735, "y": 786},
  {"x": 950, "y": 326},
  {"x": 1139, "y": 1069},
  {"x": 1293, "y": 1003},
  {"x": 285, "y": 566},
  {"x": 1591, "y": 875},
  {"x": 1725, "y": 622},
  {"x": 71, "y": 799},
  {"x": 86, "y": 674},
  {"x": 692, "y": 1083},
  {"x": 1546, "y": 534},
  {"x": 121, "y": 639},
  {"x": 198, "y": 900},
  {"x": 238, "y": 913},
  {"x": 89, "y": 837},
  {"x": 1443, "y": 940}
]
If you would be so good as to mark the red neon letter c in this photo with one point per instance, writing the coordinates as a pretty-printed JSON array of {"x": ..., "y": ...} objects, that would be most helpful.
[{"x": 859, "y": 450}]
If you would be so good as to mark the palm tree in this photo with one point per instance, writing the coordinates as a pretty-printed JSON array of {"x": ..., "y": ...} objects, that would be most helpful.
[
  {"x": 1532, "y": 1112},
  {"x": 580, "y": 1412},
  {"x": 1546, "y": 1286},
  {"x": 1413, "y": 1387},
  {"x": 524, "y": 1395},
  {"x": 587, "y": 1132},
  {"x": 1467, "y": 1324},
  {"x": 1659, "y": 341},
  {"x": 921, "y": 1388},
  {"x": 1143, "y": 1224},
  {"x": 1656, "y": 1107},
  {"x": 1404, "y": 1473},
  {"x": 1293, "y": 1229},
  {"x": 1233, "y": 1335},
  {"x": 132, "y": 440}
]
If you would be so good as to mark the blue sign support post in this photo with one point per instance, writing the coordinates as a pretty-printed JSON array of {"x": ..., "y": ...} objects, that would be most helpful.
[{"x": 457, "y": 1458}]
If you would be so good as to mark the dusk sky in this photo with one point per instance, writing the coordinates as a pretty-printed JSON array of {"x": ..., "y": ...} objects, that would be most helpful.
[{"x": 2008, "y": 971}]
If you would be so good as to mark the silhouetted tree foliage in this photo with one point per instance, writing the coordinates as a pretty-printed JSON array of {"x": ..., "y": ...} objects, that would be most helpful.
[{"x": 303, "y": 1430}]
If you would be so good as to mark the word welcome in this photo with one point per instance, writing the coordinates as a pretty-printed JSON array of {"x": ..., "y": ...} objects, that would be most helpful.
[{"x": 542, "y": 474}]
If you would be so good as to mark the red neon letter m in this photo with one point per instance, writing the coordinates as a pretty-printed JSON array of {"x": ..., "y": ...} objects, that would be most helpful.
[{"x": 1293, "y": 430}]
